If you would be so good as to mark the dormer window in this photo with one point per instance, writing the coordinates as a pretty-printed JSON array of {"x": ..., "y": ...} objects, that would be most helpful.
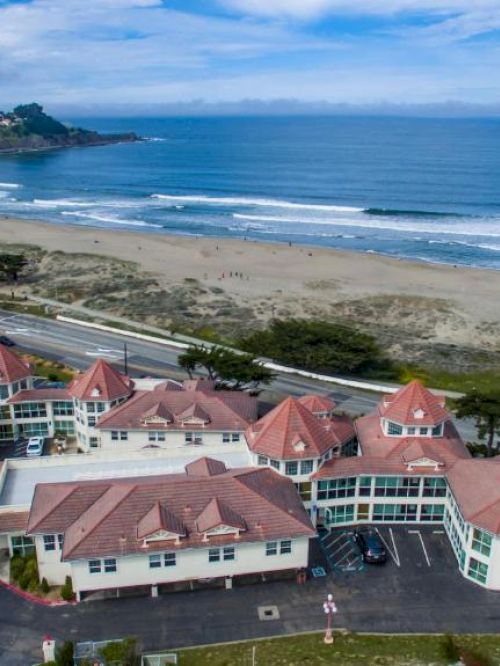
[
  {"x": 394, "y": 428},
  {"x": 299, "y": 447},
  {"x": 96, "y": 392},
  {"x": 418, "y": 413}
]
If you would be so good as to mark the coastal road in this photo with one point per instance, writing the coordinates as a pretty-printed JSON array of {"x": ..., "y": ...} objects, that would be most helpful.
[{"x": 78, "y": 347}]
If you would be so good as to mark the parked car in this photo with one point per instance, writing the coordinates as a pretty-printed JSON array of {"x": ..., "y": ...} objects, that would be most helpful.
[
  {"x": 371, "y": 546},
  {"x": 35, "y": 446},
  {"x": 4, "y": 340}
]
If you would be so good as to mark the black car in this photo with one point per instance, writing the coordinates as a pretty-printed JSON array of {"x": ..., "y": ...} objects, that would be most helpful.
[
  {"x": 371, "y": 545},
  {"x": 4, "y": 340}
]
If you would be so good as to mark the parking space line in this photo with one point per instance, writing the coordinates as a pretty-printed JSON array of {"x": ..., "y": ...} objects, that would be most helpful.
[
  {"x": 334, "y": 541},
  {"x": 349, "y": 552},
  {"x": 346, "y": 543},
  {"x": 422, "y": 544},
  {"x": 393, "y": 553},
  {"x": 438, "y": 532}
]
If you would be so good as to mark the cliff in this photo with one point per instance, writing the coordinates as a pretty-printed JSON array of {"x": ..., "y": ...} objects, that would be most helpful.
[{"x": 27, "y": 128}]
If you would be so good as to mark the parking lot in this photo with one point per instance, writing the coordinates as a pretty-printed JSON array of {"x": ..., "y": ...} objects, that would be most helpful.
[{"x": 412, "y": 550}]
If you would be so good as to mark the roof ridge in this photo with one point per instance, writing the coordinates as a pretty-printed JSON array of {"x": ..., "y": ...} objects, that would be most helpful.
[
  {"x": 73, "y": 489},
  {"x": 103, "y": 515},
  {"x": 266, "y": 471}
]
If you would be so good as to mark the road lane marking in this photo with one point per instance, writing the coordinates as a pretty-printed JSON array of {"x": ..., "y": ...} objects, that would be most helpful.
[{"x": 427, "y": 559}]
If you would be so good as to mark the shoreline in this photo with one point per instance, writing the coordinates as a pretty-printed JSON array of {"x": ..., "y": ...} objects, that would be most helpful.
[
  {"x": 155, "y": 232},
  {"x": 422, "y": 312}
]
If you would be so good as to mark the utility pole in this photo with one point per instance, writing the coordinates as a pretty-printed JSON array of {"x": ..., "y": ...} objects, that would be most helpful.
[{"x": 125, "y": 358}]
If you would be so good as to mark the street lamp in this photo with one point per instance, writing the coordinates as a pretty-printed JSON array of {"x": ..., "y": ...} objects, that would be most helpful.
[{"x": 330, "y": 608}]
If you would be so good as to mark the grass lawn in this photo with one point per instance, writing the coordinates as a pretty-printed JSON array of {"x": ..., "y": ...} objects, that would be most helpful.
[{"x": 348, "y": 650}]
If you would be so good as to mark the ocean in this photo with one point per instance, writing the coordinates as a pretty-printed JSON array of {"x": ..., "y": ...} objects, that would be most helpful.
[{"x": 423, "y": 189}]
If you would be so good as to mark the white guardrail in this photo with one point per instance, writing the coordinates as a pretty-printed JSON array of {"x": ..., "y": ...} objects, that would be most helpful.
[
  {"x": 352, "y": 383},
  {"x": 268, "y": 364}
]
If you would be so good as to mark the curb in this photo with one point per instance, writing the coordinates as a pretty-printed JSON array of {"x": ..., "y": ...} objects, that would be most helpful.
[{"x": 27, "y": 596}]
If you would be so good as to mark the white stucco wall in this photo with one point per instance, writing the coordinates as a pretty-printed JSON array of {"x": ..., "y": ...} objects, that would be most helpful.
[
  {"x": 49, "y": 563},
  {"x": 191, "y": 564}
]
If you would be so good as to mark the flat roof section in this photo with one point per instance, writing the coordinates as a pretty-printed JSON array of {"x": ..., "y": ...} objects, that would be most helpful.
[{"x": 20, "y": 482}]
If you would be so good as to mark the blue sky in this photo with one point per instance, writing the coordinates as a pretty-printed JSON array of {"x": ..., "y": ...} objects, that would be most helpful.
[{"x": 165, "y": 51}]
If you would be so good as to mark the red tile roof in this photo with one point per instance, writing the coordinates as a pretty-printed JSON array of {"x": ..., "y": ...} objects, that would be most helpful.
[
  {"x": 374, "y": 443},
  {"x": 290, "y": 431},
  {"x": 205, "y": 467},
  {"x": 13, "y": 521},
  {"x": 218, "y": 513},
  {"x": 40, "y": 395},
  {"x": 100, "y": 519},
  {"x": 476, "y": 486},
  {"x": 100, "y": 382},
  {"x": 317, "y": 404},
  {"x": 12, "y": 368},
  {"x": 216, "y": 410},
  {"x": 366, "y": 466},
  {"x": 414, "y": 405},
  {"x": 157, "y": 519}
]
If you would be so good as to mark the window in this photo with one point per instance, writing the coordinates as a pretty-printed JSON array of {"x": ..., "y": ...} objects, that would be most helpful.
[
  {"x": 339, "y": 514},
  {"x": 94, "y": 442},
  {"x": 434, "y": 487},
  {"x": 411, "y": 430},
  {"x": 432, "y": 512},
  {"x": 49, "y": 542},
  {"x": 397, "y": 486},
  {"x": 337, "y": 488},
  {"x": 262, "y": 460},
  {"x": 67, "y": 427},
  {"x": 291, "y": 468},
  {"x": 114, "y": 435},
  {"x": 214, "y": 555},
  {"x": 36, "y": 429},
  {"x": 23, "y": 545},
  {"x": 394, "y": 428},
  {"x": 119, "y": 435},
  {"x": 395, "y": 512},
  {"x": 304, "y": 489},
  {"x": 306, "y": 466},
  {"x": 235, "y": 436},
  {"x": 91, "y": 407},
  {"x": 169, "y": 559},
  {"x": 154, "y": 561},
  {"x": 481, "y": 541},
  {"x": 91, "y": 421},
  {"x": 60, "y": 541},
  {"x": 156, "y": 436},
  {"x": 478, "y": 570},
  {"x": 110, "y": 565},
  {"x": 123, "y": 435},
  {"x": 365, "y": 486},
  {"x": 437, "y": 430},
  {"x": 228, "y": 553},
  {"x": 4, "y": 392},
  {"x": 271, "y": 548},
  {"x": 424, "y": 431},
  {"x": 363, "y": 511},
  {"x": 62, "y": 408},
  {"x": 94, "y": 566},
  {"x": 285, "y": 547},
  {"x": 275, "y": 464},
  {"x": 30, "y": 410},
  {"x": 226, "y": 437},
  {"x": 101, "y": 406}
]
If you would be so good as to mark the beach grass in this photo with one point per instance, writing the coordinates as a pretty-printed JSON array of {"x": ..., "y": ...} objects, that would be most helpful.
[{"x": 348, "y": 650}]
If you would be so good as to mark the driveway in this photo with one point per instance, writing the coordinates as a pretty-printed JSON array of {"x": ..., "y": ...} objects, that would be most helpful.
[{"x": 422, "y": 593}]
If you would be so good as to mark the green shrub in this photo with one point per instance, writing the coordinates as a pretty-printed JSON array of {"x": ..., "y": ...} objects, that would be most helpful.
[
  {"x": 450, "y": 649},
  {"x": 67, "y": 589},
  {"x": 121, "y": 652},
  {"x": 16, "y": 567},
  {"x": 64, "y": 654},
  {"x": 24, "y": 580},
  {"x": 44, "y": 586},
  {"x": 31, "y": 568}
]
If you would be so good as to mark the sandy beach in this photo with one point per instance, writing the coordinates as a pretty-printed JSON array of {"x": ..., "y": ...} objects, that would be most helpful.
[{"x": 233, "y": 285}]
